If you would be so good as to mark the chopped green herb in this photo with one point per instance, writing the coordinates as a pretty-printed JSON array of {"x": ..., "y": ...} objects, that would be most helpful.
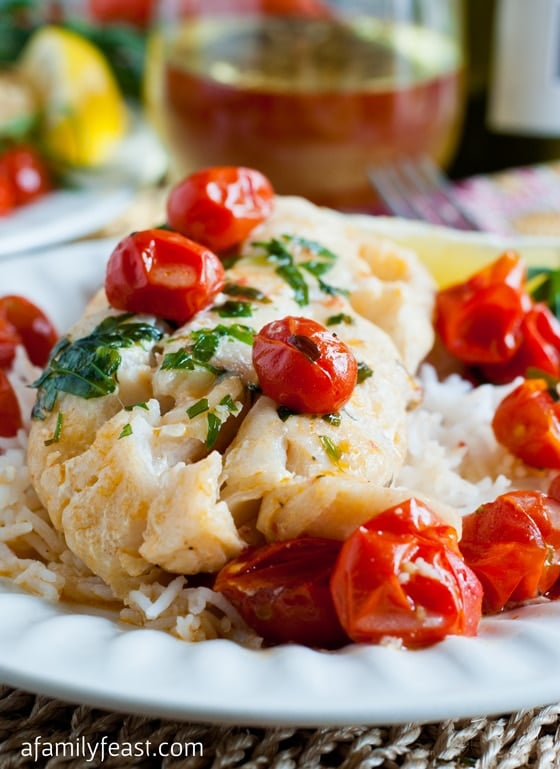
[
  {"x": 330, "y": 290},
  {"x": 544, "y": 286},
  {"x": 335, "y": 320},
  {"x": 137, "y": 406},
  {"x": 198, "y": 408},
  {"x": 332, "y": 419},
  {"x": 184, "y": 360},
  {"x": 126, "y": 431},
  {"x": 364, "y": 372},
  {"x": 214, "y": 424},
  {"x": 234, "y": 309},
  {"x": 278, "y": 252},
  {"x": 284, "y": 412},
  {"x": 57, "y": 430},
  {"x": 206, "y": 340},
  {"x": 311, "y": 245},
  {"x": 296, "y": 281},
  {"x": 87, "y": 367},
  {"x": 332, "y": 450},
  {"x": 247, "y": 292},
  {"x": 228, "y": 401}
]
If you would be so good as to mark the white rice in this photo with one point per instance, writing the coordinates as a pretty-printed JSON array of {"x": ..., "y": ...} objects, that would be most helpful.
[{"x": 453, "y": 456}]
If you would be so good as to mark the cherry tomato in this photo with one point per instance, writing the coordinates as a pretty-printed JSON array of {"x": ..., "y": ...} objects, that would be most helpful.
[
  {"x": 401, "y": 575},
  {"x": 9, "y": 340},
  {"x": 302, "y": 365},
  {"x": 7, "y": 193},
  {"x": 479, "y": 321},
  {"x": 138, "y": 13},
  {"x": 554, "y": 488},
  {"x": 282, "y": 591},
  {"x": 10, "y": 414},
  {"x": 161, "y": 272},
  {"x": 32, "y": 327},
  {"x": 220, "y": 206},
  {"x": 539, "y": 348},
  {"x": 28, "y": 172},
  {"x": 513, "y": 546},
  {"x": 527, "y": 423}
]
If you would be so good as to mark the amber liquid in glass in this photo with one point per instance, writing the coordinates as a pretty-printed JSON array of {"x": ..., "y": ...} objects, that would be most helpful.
[{"x": 311, "y": 103}]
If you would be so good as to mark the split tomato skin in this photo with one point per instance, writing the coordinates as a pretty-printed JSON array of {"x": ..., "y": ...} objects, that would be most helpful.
[
  {"x": 162, "y": 273},
  {"x": 401, "y": 576},
  {"x": 10, "y": 413},
  {"x": 303, "y": 366},
  {"x": 479, "y": 320},
  {"x": 539, "y": 348},
  {"x": 527, "y": 423},
  {"x": 513, "y": 546},
  {"x": 220, "y": 206},
  {"x": 282, "y": 591}
]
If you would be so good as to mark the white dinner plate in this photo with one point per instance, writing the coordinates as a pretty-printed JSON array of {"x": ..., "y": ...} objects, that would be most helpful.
[
  {"x": 82, "y": 655},
  {"x": 94, "y": 198}
]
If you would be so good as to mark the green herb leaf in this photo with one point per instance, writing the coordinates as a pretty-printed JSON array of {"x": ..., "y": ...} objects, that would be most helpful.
[
  {"x": 200, "y": 407},
  {"x": 311, "y": 245},
  {"x": 332, "y": 419},
  {"x": 544, "y": 286},
  {"x": 332, "y": 450},
  {"x": 228, "y": 401},
  {"x": 214, "y": 424},
  {"x": 126, "y": 431},
  {"x": 57, "y": 430},
  {"x": 296, "y": 281},
  {"x": 364, "y": 372},
  {"x": 137, "y": 406},
  {"x": 247, "y": 292},
  {"x": 335, "y": 320},
  {"x": 284, "y": 413},
  {"x": 233, "y": 309},
  {"x": 87, "y": 367}
]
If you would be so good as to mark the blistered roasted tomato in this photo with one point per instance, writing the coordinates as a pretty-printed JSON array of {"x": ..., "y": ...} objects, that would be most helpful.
[
  {"x": 527, "y": 423},
  {"x": 219, "y": 206},
  {"x": 479, "y": 321},
  {"x": 10, "y": 414},
  {"x": 162, "y": 273},
  {"x": 282, "y": 591},
  {"x": 401, "y": 576},
  {"x": 539, "y": 348},
  {"x": 23, "y": 322},
  {"x": 27, "y": 171},
  {"x": 302, "y": 365},
  {"x": 513, "y": 546}
]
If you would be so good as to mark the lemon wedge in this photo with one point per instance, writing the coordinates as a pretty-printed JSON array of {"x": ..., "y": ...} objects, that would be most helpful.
[{"x": 84, "y": 114}]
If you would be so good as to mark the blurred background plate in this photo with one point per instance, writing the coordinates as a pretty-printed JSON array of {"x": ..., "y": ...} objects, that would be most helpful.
[{"x": 94, "y": 199}]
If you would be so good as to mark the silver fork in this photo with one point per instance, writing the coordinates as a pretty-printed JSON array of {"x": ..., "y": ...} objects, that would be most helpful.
[{"x": 417, "y": 189}]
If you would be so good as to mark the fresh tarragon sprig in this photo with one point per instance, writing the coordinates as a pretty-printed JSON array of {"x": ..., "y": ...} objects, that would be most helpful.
[{"x": 87, "y": 367}]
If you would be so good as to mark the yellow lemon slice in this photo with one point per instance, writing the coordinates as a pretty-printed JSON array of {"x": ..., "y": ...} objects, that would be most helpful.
[{"x": 84, "y": 113}]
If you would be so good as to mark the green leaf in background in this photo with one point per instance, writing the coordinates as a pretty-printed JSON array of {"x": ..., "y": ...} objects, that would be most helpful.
[{"x": 543, "y": 284}]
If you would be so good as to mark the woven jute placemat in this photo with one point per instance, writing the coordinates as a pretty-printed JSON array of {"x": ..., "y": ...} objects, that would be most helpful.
[{"x": 31, "y": 723}]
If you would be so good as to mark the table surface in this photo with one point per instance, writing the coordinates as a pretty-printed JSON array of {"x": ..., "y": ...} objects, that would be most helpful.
[{"x": 33, "y": 728}]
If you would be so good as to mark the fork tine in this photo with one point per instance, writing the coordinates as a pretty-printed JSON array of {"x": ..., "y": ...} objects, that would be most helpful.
[
  {"x": 416, "y": 189},
  {"x": 388, "y": 185}
]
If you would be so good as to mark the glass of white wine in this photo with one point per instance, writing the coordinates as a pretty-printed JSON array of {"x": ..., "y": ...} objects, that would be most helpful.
[{"x": 311, "y": 92}]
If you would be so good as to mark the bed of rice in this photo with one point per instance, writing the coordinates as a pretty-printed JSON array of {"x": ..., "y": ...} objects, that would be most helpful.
[{"x": 453, "y": 456}]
